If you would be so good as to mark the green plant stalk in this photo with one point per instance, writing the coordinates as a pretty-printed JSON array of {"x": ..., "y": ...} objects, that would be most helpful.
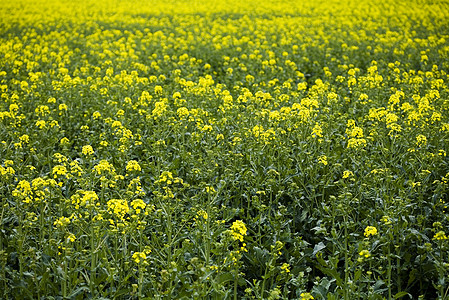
[
  {"x": 1, "y": 248},
  {"x": 264, "y": 279},
  {"x": 441, "y": 272},
  {"x": 345, "y": 290},
  {"x": 3, "y": 254},
  {"x": 93, "y": 259},
  {"x": 169, "y": 240},
  {"x": 64, "y": 282},
  {"x": 389, "y": 272},
  {"x": 140, "y": 281},
  {"x": 20, "y": 245},
  {"x": 398, "y": 265},
  {"x": 236, "y": 271},
  {"x": 446, "y": 293},
  {"x": 207, "y": 242},
  {"x": 42, "y": 225}
]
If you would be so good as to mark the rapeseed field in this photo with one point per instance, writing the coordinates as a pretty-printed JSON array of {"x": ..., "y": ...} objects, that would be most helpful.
[{"x": 224, "y": 149}]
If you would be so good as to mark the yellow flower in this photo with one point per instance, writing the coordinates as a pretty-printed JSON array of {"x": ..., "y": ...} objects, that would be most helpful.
[
  {"x": 116, "y": 124},
  {"x": 210, "y": 190},
  {"x": 202, "y": 214},
  {"x": 89, "y": 198},
  {"x": 386, "y": 220},
  {"x": 13, "y": 108},
  {"x": 159, "y": 109},
  {"x": 183, "y": 112},
  {"x": 238, "y": 230},
  {"x": 118, "y": 207},
  {"x": 158, "y": 89},
  {"x": 317, "y": 131},
  {"x": 285, "y": 268},
  {"x": 440, "y": 235},
  {"x": 347, "y": 174},
  {"x": 322, "y": 160},
  {"x": 64, "y": 141},
  {"x": 59, "y": 170},
  {"x": 166, "y": 176},
  {"x": 96, "y": 115},
  {"x": 42, "y": 110},
  {"x": 88, "y": 150},
  {"x": 421, "y": 140},
  {"x": 133, "y": 166},
  {"x": 138, "y": 205},
  {"x": 104, "y": 167},
  {"x": 23, "y": 191},
  {"x": 25, "y": 138},
  {"x": 62, "y": 222},
  {"x": 365, "y": 253},
  {"x": 41, "y": 124},
  {"x": 370, "y": 230},
  {"x": 71, "y": 237},
  {"x": 206, "y": 128},
  {"x": 139, "y": 257},
  {"x": 7, "y": 172},
  {"x": 356, "y": 143},
  {"x": 306, "y": 296}
]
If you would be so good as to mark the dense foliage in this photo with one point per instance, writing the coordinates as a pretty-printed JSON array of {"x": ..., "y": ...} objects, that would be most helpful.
[{"x": 224, "y": 149}]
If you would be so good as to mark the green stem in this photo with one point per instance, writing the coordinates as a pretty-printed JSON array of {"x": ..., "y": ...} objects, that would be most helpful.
[
  {"x": 264, "y": 280},
  {"x": 207, "y": 242},
  {"x": 441, "y": 267},
  {"x": 141, "y": 269},
  {"x": 346, "y": 259},
  {"x": 398, "y": 270},
  {"x": 20, "y": 245},
  {"x": 2, "y": 253},
  {"x": 235, "y": 283},
  {"x": 93, "y": 260},
  {"x": 389, "y": 272},
  {"x": 64, "y": 282},
  {"x": 169, "y": 244},
  {"x": 140, "y": 281}
]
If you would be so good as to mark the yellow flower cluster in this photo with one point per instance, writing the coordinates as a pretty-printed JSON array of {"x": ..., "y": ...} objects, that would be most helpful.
[
  {"x": 133, "y": 166},
  {"x": 440, "y": 235},
  {"x": 84, "y": 198},
  {"x": 141, "y": 257},
  {"x": 347, "y": 174},
  {"x": 138, "y": 205},
  {"x": 355, "y": 136},
  {"x": 365, "y": 253},
  {"x": 306, "y": 296},
  {"x": 238, "y": 230},
  {"x": 370, "y": 230},
  {"x": 87, "y": 150},
  {"x": 285, "y": 268},
  {"x": 62, "y": 222},
  {"x": 7, "y": 171},
  {"x": 104, "y": 167},
  {"x": 119, "y": 208}
]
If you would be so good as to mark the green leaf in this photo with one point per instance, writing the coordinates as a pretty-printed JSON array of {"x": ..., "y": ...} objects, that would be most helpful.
[
  {"x": 223, "y": 278},
  {"x": 357, "y": 274},
  {"x": 401, "y": 294},
  {"x": 318, "y": 247},
  {"x": 332, "y": 273},
  {"x": 79, "y": 291}
]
